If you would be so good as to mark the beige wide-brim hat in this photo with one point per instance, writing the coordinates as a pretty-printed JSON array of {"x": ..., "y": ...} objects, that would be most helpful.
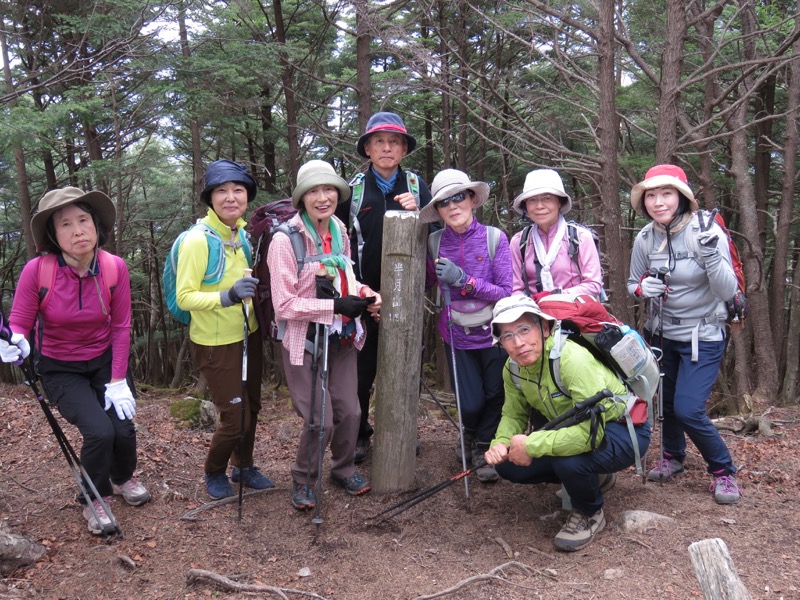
[
  {"x": 448, "y": 183},
  {"x": 542, "y": 181},
  {"x": 314, "y": 173},
  {"x": 55, "y": 200},
  {"x": 514, "y": 307},
  {"x": 662, "y": 176}
]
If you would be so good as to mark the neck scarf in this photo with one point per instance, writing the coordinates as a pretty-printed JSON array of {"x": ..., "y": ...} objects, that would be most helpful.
[
  {"x": 547, "y": 258},
  {"x": 385, "y": 185}
]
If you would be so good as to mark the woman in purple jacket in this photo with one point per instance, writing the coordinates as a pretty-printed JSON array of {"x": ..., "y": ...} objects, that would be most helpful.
[
  {"x": 474, "y": 261},
  {"x": 84, "y": 324}
]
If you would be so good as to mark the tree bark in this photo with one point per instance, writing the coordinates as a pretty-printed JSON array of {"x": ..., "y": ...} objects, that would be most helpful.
[
  {"x": 363, "y": 63},
  {"x": 715, "y": 571},
  {"x": 17, "y": 551},
  {"x": 669, "y": 88}
]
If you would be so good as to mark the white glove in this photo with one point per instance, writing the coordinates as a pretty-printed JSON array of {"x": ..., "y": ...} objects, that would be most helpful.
[
  {"x": 653, "y": 287},
  {"x": 120, "y": 397},
  {"x": 15, "y": 351}
]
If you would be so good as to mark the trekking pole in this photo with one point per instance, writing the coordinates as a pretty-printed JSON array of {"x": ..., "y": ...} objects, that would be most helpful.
[
  {"x": 663, "y": 274},
  {"x": 243, "y": 399},
  {"x": 78, "y": 471},
  {"x": 434, "y": 398},
  {"x": 317, "y": 520},
  {"x": 448, "y": 306},
  {"x": 580, "y": 412},
  {"x": 314, "y": 370}
]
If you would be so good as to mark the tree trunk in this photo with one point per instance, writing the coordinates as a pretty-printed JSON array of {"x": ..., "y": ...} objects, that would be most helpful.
[
  {"x": 17, "y": 551},
  {"x": 608, "y": 135},
  {"x": 287, "y": 82},
  {"x": 792, "y": 354},
  {"x": 363, "y": 63},
  {"x": 715, "y": 571},
  {"x": 194, "y": 126},
  {"x": 671, "y": 66}
]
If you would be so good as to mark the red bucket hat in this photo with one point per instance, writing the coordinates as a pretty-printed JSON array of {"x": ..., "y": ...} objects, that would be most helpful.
[{"x": 660, "y": 176}]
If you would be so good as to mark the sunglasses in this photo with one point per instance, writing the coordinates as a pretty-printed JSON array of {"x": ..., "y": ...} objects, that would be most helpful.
[{"x": 455, "y": 198}]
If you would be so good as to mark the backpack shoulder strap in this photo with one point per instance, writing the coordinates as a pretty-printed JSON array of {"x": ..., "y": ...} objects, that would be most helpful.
[
  {"x": 357, "y": 185},
  {"x": 48, "y": 263},
  {"x": 412, "y": 183},
  {"x": 573, "y": 239},
  {"x": 434, "y": 242},
  {"x": 524, "y": 240},
  {"x": 492, "y": 240},
  {"x": 513, "y": 368},
  {"x": 108, "y": 269},
  {"x": 297, "y": 242},
  {"x": 555, "y": 361}
]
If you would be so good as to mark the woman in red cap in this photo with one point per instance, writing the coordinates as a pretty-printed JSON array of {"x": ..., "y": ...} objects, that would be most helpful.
[{"x": 682, "y": 268}]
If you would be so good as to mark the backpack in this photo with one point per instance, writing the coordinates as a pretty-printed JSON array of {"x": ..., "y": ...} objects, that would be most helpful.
[
  {"x": 357, "y": 197},
  {"x": 483, "y": 315},
  {"x": 265, "y": 222},
  {"x": 584, "y": 320},
  {"x": 573, "y": 249},
  {"x": 215, "y": 270}
]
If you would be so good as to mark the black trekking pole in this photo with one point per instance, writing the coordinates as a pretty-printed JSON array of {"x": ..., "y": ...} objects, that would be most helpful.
[
  {"x": 313, "y": 407},
  {"x": 663, "y": 275},
  {"x": 323, "y": 376},
  {"x": 78, "y": 471},
  {"x": 243, "y": 400},
  {"x": 448, "y": 306},
  {"x": 580, "y": 412}
]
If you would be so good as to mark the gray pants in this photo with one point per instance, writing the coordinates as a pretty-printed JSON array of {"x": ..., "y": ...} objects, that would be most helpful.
[{"x": 342, "y": 412}]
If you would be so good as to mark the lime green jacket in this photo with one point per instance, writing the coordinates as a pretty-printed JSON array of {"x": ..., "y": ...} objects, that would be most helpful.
[
  {"x": 211, "y": 325},
  {"x": 583, "y": 375}
]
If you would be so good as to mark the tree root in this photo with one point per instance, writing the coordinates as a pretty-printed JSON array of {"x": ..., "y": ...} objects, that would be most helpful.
[
  {"x": 746, "y": 424},
  {"x": 490, "y": 576},
  {"x": 229, "y": 585},
  {"x": 191, "y": 515}
]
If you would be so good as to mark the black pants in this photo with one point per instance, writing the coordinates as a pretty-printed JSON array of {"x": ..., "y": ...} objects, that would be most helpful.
[
  {"x": 78, "y": 388},
  {"x": 367, "y": 369}
]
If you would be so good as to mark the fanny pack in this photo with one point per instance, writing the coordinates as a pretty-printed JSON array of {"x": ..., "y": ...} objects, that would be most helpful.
[{"x": 471, "y": 313}]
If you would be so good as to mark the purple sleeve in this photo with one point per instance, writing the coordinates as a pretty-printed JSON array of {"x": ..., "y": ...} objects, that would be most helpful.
[
  {"x": 120, "y": 321},
  {"x": 498, "y": 284}
]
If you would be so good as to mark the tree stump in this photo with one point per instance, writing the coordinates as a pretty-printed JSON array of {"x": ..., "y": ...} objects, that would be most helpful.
[
  {"x": 714, "y": 569},
  {"x": 399, "y": 352}
]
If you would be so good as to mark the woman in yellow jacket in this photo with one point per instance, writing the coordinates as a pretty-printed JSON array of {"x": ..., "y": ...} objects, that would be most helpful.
[{"x": 216, "y": 330}]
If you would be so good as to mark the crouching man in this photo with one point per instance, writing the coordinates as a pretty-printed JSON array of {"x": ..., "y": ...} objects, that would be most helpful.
[{"x": 582, "y": 452}]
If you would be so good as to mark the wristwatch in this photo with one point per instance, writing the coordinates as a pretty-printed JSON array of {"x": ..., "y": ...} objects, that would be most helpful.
[{"x": 469, "y": 287}]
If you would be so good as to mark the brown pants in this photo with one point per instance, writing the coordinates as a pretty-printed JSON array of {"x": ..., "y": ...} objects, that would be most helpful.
[
  {"x": 222, "y": 368},
  {"x": 342, "y": 412}
]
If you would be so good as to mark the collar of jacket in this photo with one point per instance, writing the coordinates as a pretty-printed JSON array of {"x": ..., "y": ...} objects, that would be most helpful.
[{"x": 212, "y": 220}]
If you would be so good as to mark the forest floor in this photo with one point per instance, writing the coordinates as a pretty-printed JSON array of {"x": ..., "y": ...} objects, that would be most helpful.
[{"x": 421, "y": 552}]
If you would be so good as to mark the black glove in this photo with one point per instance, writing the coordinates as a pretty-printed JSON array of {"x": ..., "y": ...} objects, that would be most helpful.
[
  {"x": 325, "y": 289},
  {"x": 351, "y": 306},
  {"x": 242, "y": 288}
]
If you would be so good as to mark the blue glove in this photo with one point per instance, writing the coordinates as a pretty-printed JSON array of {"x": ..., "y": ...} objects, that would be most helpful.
[
  {"x": 450, "y": 273},
  {"x": 16, "y": 350},
  {"x": 120, "y": 397},
  {"x": 242, "y": 288},
  {"x": 652, "y": 287}
]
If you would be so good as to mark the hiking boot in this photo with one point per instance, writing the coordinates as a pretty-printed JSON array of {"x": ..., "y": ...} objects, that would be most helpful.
[
  {"x": 606, "y": 480},
  {"x": 579, "y": 530},
  {"x": 303, "y": 496},
  {"x": 102, "y": 522},
  {"x": 486, "y": 473},
  {"x": 666, "y": 469},
  {"x": 133, "y": 492},
  {"x": 218, "y": 486},
  {"x": 354, "y": 485},
  {"x": 252, "y": 478},
  {"x": 725, "y": 490},
  {"x": 362, "y": 447}
]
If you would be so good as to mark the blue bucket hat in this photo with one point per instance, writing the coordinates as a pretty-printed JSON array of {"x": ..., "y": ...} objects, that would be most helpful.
[
  {"x": 385, "y": 121},
  {"x": 223, "y": 171}
]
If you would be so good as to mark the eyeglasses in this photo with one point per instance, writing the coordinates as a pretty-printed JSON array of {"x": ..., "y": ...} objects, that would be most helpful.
[
  {"x": 521, "y": 332},
  {"x": 543, "y": 200},
  {"x": 456, "y": 198}
]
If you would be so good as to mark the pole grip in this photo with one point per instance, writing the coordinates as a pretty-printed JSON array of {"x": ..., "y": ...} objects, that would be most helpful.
[{"x": 247, "y": 273}]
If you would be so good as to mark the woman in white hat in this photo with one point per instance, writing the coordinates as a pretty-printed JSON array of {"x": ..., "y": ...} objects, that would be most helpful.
[
  {"x": 324, "y": 297},
  {"x": 79, "y": 299},
  {"x": 685, "y": 274},
  {"x": 552, "y": 254},
  {"x": 473, "y": 261}
]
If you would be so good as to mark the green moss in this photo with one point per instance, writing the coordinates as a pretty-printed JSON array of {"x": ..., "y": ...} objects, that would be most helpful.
[{"x": 187, "y": 411}]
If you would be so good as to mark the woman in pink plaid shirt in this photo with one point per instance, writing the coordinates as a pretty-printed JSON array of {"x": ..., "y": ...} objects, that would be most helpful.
[{"x": 324, "y": 298}]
